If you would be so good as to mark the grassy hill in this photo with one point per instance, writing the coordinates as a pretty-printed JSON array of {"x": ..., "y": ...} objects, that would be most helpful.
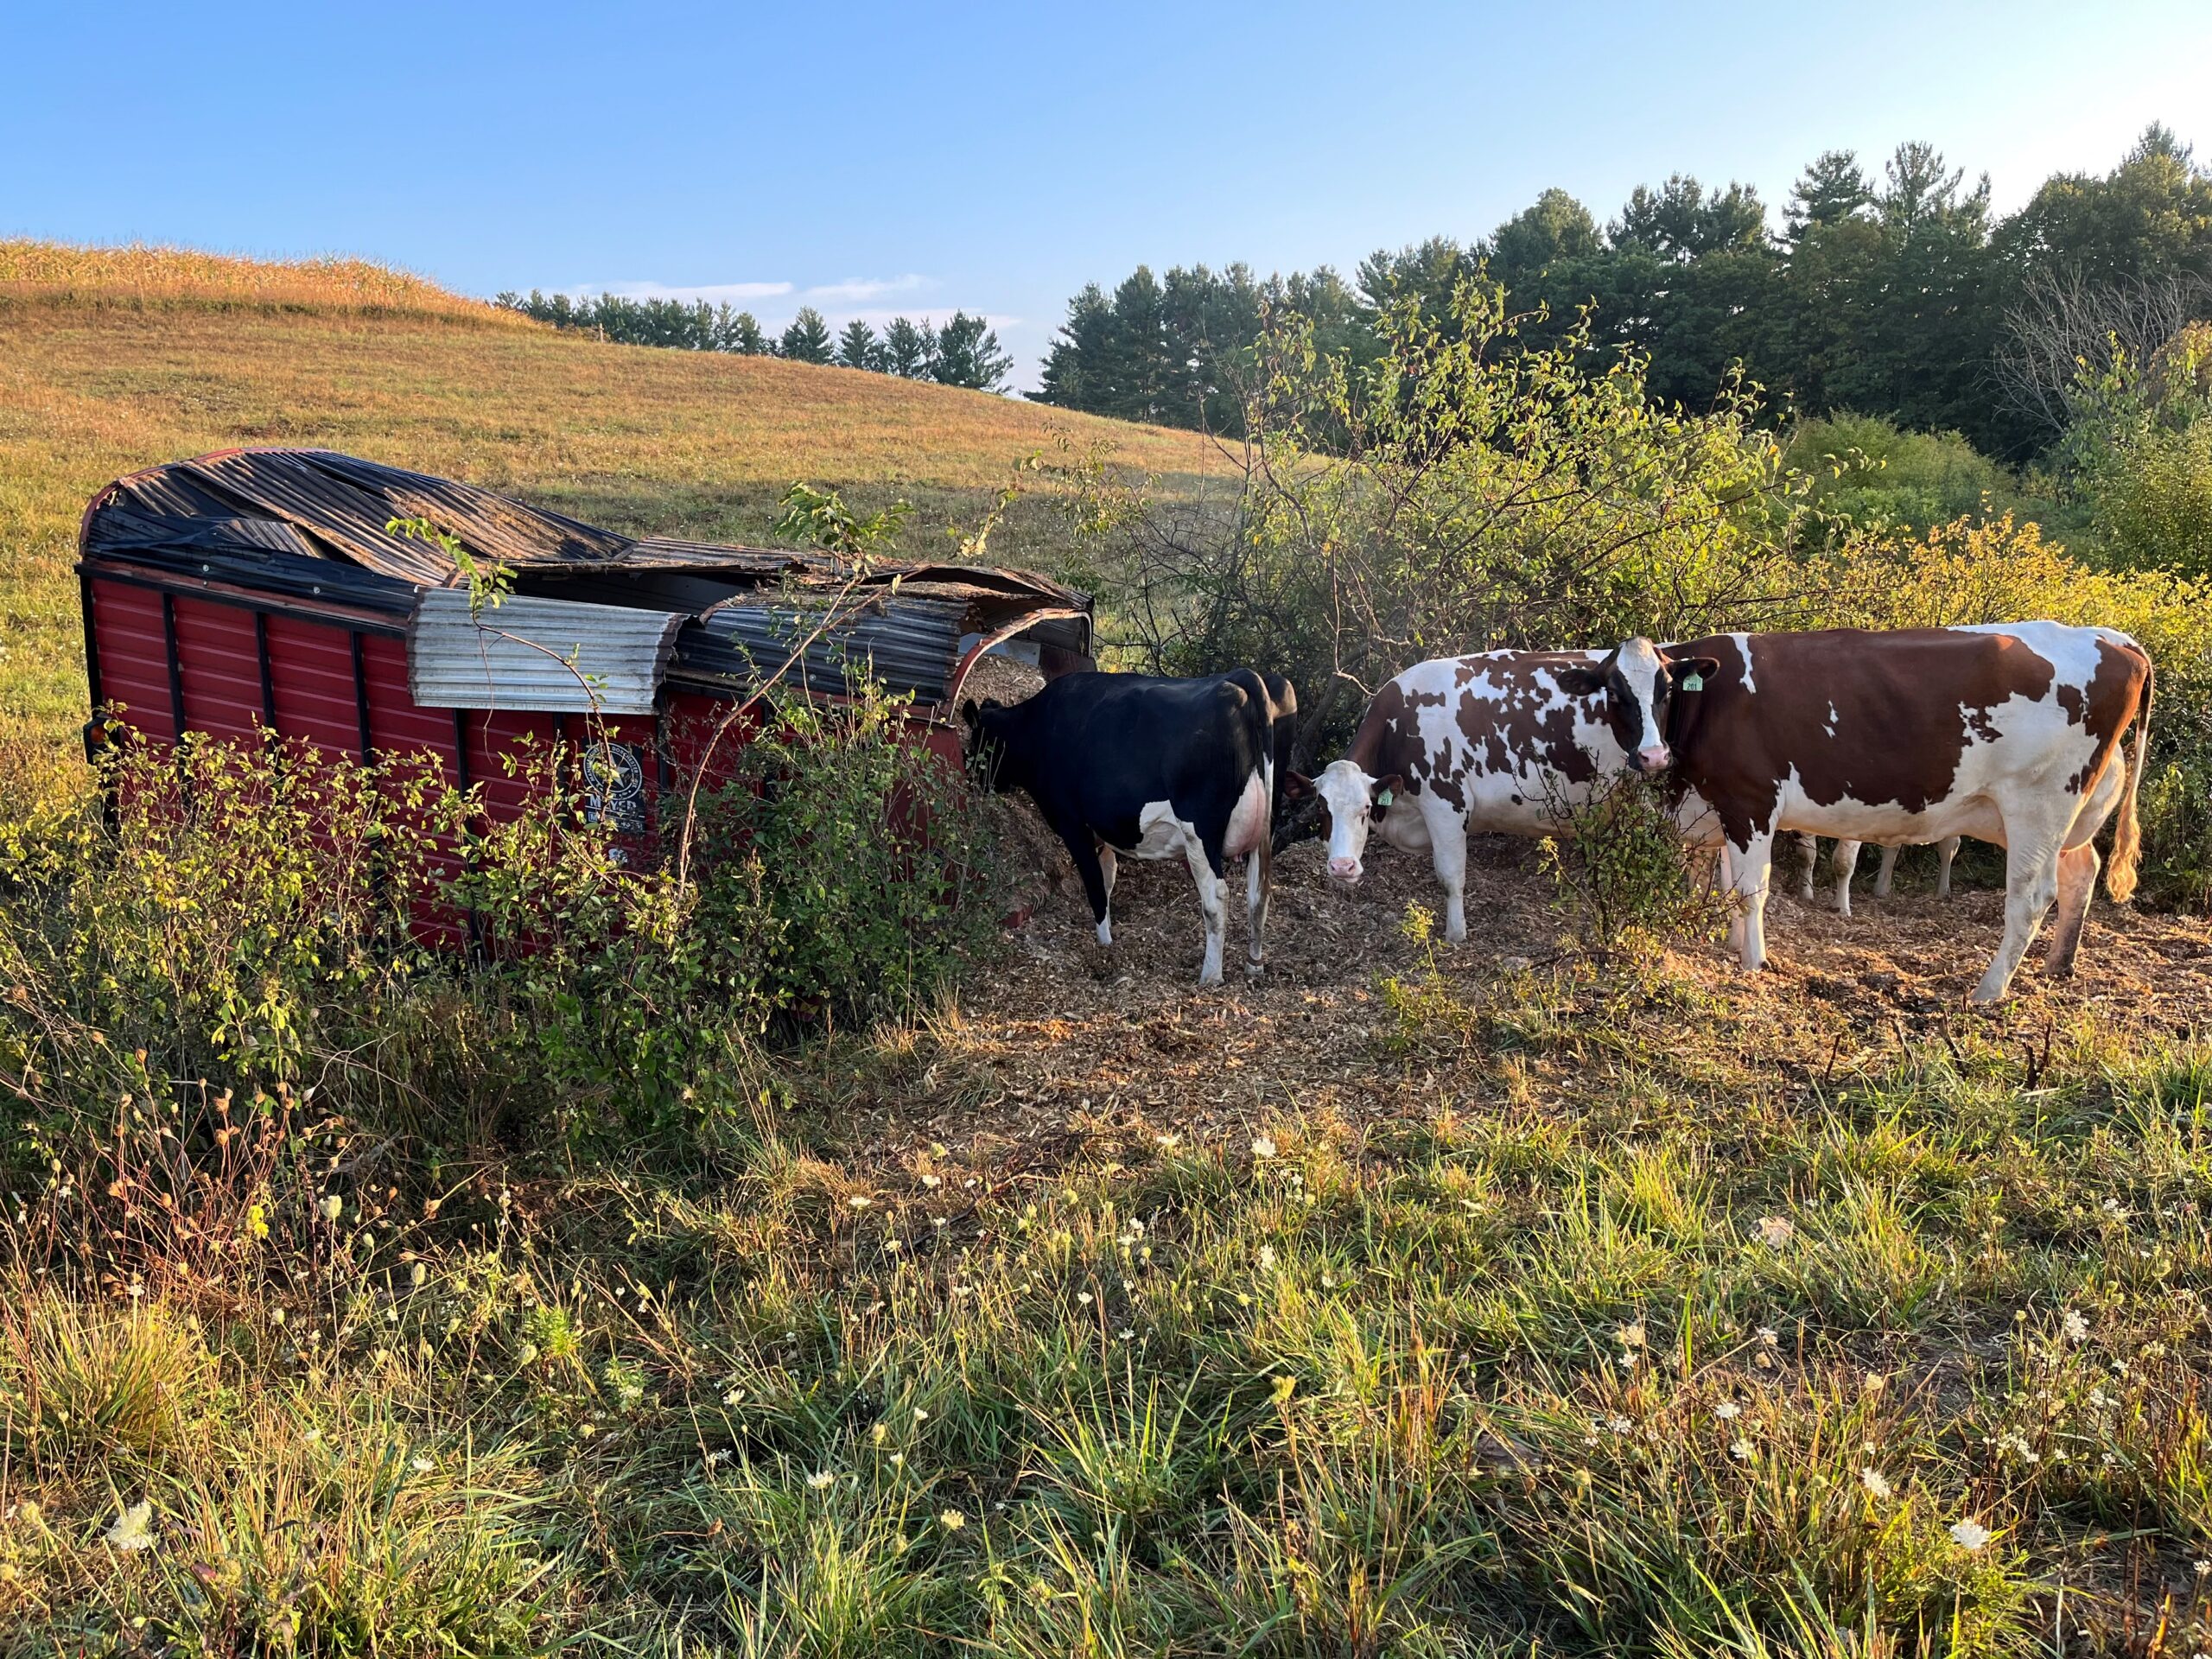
[{"x": 112, "y": 361}]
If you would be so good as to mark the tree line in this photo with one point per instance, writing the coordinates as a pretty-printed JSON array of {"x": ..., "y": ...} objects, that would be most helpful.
[
  {"x": 962, "y": 351},
  {"x": 1901, "y": 294}
]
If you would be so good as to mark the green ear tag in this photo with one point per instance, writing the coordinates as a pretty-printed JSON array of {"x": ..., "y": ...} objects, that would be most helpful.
[
  {"x": 1694, "y": 682},
  {"x": 1384, "y": 799}
]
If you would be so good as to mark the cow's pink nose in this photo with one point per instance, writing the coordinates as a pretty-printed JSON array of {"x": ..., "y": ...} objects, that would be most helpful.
[
  {"x": 1653, "y": 759},
  {"x": 1344, "y": 869}
]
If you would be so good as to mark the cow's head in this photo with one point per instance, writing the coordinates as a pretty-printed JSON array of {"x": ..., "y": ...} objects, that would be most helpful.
[
  {"x": 986, "y": 745},
  {"x": 1353, "y": 804},
  {"x": 1640, "y": 685}
]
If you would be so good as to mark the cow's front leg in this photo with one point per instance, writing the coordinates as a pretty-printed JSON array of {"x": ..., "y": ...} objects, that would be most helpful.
[
  {"x": 1750, "y": 869},
  {"x": 1843, "y": 863},
  {"x": 1108, "y": 868},
  {"x": 1092, "y": 862},
  {"x": 1206, "y": 865},
  {"x": 1448, "y": 850}
]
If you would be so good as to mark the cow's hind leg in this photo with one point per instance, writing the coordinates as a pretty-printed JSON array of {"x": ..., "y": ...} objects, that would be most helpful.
[
  {"x": 1843, "y": 864},
  {"x": 1810, "y": 845},
  {"x": 1259, "y": 876},
  {"x": 2077, "y": 880},
  {"x": 1885, "y": 877},
  {"x": 2030, "y": 884},
  {"x": 1946, "y": 850},
  {"x": 1206, "y": 865},
  {"x": 1749, "y": 870}
]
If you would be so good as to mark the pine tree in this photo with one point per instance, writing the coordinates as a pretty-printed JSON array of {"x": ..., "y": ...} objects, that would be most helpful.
[
  {"x": 906, "y": 349},
  {"x": 807, "y": 339},
  {"x": 967, "y": 354},
  {"x": 1833, "y": 189},
  {"x": 745, "y": 338},
  {"x": 858, "y": 347}
]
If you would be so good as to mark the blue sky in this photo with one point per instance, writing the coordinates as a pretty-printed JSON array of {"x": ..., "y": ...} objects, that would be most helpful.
[{"x": 873, "y": 159}]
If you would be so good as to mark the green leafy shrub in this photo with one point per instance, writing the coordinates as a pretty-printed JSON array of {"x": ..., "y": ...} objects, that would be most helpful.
[
  {"x": 249, "y": 919},
  {"x": 1621, "y": 871}
]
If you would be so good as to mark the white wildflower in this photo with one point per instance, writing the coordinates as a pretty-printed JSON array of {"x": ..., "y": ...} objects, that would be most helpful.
[
  {"x": 1632, "y": 1336},
  {"x": 2075, "y": 1327},
  {"x": 1262, "y": 1147},
  {"x": 1740, "y": 1449},
  {"x": 820, "y": 1479},
  {"x": 1969, "y": 1534},
  {"x": 332, "y": 1207},
  {"x": 421, "y": 1463},
  {"x": 1876, "y": 1482},
  {"x": 1619, "y": 1424},
  {"x": 952, "y": 1520},
  {"x": 1726, "y": 1411},
  {"x": 1769, "y": 1335},
  {"x": 133, "y": 1528},
  {"x": 1774, "y": 1232}
]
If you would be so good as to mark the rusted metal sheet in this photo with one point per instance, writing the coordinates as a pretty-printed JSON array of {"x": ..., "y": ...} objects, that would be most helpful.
[
  {"x": 306, "y": 527},
  {"x": 905, "y": 642},
  {"x": 537, "y": 653}
]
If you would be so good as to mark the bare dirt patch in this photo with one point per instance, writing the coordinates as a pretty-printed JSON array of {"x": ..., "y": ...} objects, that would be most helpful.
[{"x": 1061, "y": 1045}]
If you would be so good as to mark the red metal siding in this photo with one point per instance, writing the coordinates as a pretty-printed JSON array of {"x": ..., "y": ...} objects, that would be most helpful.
[
  {"x": 397, "y": 725},
  {"x": 221, "y": 669},
  {"x": 312, "y": 665},
  {"x": 133, "y": 663}
]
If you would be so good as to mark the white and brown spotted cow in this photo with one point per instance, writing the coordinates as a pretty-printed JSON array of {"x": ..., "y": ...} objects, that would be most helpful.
[
  {"x": 1493, "y": 743},
  {"x": 1843, "y": 864},
  {"x": 2009, "y": 733}
]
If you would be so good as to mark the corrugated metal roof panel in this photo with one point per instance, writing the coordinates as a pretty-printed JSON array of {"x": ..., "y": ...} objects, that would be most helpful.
[
  {"x": 537, "y": 653},
  {"x": 271, "y": 512},
  {"x": 906, "y": 641}
]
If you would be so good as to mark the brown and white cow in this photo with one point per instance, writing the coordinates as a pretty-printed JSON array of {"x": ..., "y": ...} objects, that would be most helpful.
[
  {"x": 1493, "y": 743},
  {"x": 2009, "y": 733},
  {"x": 1843, "y": 864}
]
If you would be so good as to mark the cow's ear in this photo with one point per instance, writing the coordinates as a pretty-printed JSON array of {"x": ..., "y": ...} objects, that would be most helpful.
[
  {"x": 1297, "y": 787},
  {"x": 1389, "y": 789},
  {"x": 1580, "y": 681},
  {"x": 968, "y": 711},
  {"x": 1698, "y": 669}
]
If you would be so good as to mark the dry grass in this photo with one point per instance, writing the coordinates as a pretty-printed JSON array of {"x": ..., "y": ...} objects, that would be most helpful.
[
  {"x": 646, "y": 441},
  {"x": 57, "y": 272}
]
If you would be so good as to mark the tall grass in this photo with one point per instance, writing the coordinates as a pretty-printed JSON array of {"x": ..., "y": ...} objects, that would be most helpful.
[{"x": 137, "y": 276}]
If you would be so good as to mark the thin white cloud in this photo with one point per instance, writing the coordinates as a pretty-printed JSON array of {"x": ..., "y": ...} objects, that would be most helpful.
[
  {"x": 853, "y": 288},
  {"x": 713, "y": 292},
  {"x": 838, "y": 319}
]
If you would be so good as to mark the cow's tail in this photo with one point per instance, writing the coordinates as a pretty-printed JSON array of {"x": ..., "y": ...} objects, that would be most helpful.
[
  {"x": 1260, "y": 729},
  {"x": 2127, "y": 834}
]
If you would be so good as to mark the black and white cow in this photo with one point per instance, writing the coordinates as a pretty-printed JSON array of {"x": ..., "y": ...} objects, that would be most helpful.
[
  {"x": 1494, "y": 743},
  {"x": 2009, "y": 733},
  {"x": 1132, "y": 765}
]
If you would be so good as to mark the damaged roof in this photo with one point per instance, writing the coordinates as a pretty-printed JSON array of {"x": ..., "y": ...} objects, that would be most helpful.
[{"x": 310, "y": 523}]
